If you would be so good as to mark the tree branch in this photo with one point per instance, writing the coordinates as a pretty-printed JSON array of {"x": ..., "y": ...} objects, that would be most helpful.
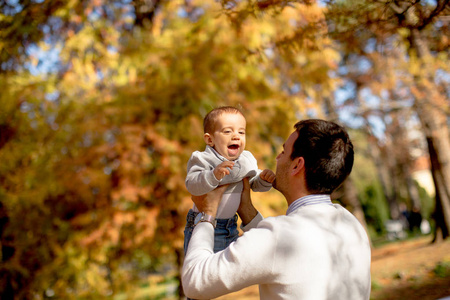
[{"x": 438, "y": 9}]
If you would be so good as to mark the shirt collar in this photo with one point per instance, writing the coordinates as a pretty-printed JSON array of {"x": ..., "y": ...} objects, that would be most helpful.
[
  {"x": 309, "y": 200},
  {"x": 215, "y": 153}
]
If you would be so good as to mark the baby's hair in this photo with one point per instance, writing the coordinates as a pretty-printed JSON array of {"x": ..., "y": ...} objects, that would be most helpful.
[{"x": 209, "y": 122}]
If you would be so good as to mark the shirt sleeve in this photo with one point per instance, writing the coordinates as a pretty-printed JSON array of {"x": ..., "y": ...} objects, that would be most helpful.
[
  {"x": 259, "y": 185},
  {"x": 253, "y": 223},
  {"x": 200, "y": 177},
  {"x": 246, "y": 262}
]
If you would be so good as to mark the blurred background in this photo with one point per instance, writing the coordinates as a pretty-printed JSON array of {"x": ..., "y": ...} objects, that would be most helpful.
[{"x": 102, "y": 102}]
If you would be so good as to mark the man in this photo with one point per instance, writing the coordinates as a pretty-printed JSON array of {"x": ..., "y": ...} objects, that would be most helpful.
[{"x": 318, "y": 250}]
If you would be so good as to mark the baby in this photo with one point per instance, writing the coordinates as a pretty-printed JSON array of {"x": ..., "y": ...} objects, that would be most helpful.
[{"x": 224, "y": 161}]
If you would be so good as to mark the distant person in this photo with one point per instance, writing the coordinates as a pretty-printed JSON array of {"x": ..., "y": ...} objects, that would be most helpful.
[
  {"x": 224, "y": 162},
  {"x": 318, "y": 250},
  {"x": 415, "y": 219}
]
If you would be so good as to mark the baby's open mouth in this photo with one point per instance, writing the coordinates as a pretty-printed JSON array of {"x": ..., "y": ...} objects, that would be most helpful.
[{"x": 233, "y": 150}]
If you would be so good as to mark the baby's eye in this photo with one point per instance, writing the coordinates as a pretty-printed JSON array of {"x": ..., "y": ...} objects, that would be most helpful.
[
  {"x": 242, "y": 132},
  {"x": 227, "y": 131}
]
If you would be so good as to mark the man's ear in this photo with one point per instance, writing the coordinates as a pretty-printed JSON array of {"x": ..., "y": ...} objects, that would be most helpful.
[
  {"x": 297, "y": 165},
  {"x": 208, "y": 139}
]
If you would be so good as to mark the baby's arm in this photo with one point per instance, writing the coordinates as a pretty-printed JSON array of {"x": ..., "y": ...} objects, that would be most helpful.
[
  {"x": 262, "y": 182},
  {"x": 200, "y": 177}
]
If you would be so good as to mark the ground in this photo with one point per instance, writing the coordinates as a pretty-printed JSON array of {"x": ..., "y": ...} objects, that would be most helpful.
[
  {"x": 413, "y": 269},
  {"x": 409, "y": 269}
]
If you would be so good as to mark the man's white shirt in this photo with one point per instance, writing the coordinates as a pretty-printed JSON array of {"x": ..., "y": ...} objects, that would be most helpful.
[{"x": 318, "y": 250}]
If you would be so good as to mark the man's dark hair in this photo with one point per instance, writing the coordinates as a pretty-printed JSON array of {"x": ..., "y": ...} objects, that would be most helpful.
[
  {"x": 209, "y": 122},
  {"x": 328, "y": 154}
]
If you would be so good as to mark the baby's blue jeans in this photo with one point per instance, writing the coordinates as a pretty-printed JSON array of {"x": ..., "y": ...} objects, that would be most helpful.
[{"x": 225, "y": 233}]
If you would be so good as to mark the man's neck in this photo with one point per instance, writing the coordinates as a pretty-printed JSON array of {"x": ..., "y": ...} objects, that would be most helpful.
[{"x": 299, "y": 194}]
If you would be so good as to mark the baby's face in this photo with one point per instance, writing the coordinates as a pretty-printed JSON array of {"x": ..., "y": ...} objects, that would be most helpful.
[{"x": 229, "y": 136}]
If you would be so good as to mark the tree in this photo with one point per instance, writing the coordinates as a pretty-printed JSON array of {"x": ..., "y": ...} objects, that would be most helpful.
[
  {"x": 409, "y": 68},
  {"x": 96, "y": 143},
  {"x": 431, "y": 106}
]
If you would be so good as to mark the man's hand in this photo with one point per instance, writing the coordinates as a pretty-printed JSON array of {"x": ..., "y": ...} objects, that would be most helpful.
[
  {"x": 210, "y": 202},
  {"x": 246, "y": 209},
  {"x": 223, "y": 169},
  {"x": 267, "y": 175}
]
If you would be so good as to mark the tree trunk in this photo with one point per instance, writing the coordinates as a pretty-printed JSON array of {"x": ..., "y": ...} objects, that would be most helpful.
[
  {"x": 434, "y": 123},
  {"x": 438, "y": 140},
  {"x": 403, "y": 160},
  {"x": 387, "y": 178},
  {"x": 442, "y": 211},
  {"x": 429, "y": 104}
]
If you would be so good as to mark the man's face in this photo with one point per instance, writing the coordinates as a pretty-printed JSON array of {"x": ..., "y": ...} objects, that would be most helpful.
[
  {"x": 283, "y": 164},
  {"x": 229, "y": 136}
]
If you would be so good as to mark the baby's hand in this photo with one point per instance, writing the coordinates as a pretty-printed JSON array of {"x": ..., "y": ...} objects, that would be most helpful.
[
  {"x": 267, "y": 175},
  {"x": 223, "y": 169}
]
